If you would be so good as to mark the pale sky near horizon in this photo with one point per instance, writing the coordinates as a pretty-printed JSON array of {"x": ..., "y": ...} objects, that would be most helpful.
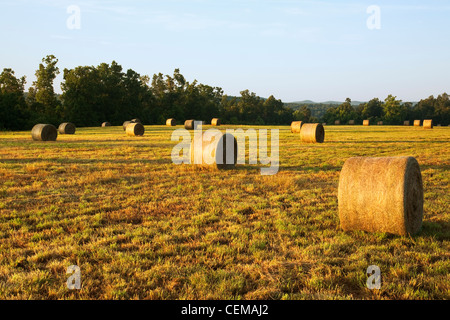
[{"x": 295, "y": 50}]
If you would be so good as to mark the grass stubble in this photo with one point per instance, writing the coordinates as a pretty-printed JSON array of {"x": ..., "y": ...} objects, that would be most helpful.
[{"x": 140, "y": 227}]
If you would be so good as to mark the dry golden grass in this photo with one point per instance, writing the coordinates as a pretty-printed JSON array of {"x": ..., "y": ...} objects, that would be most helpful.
[{"x": 140, "y": 227}]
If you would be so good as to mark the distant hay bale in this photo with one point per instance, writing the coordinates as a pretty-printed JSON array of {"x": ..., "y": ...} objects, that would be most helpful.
[
  {"x": 66, "y": 128},
  {"x": 416, "y": 123},
  {"x": 216, "y": 150},
  {"x": 296, "y": 126},
  {"x": 135, "y": 129},
  {"x": 380, "y": 123},
  {"x": 428, "y": 124},
  {"x": 381, "y": 195},
  {"x": 351, "y": 122},
  {"x": 406, "y": 123},
  {"x": 312, "y": 133},
  {"x": 189, "y": 124},
  {"x": 171, "y": 122},
  {"x": 337, "y": 122},
  {"x": 366, "y": 123},
  {"x": 125, "y": 124},
  {"x": 324, "y": 124},
  {"x": 135, "y": 120},
  {"x": 44, "y": 132},
  {"x": 215, "y": 122},
  {"x": 106, "y": 124}
]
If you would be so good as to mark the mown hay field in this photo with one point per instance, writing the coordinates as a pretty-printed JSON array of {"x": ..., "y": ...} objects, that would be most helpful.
[{"x": 140, "y": 227}]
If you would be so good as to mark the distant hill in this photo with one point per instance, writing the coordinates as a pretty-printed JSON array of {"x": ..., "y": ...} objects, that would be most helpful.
[{"x": 354, "y": 103}]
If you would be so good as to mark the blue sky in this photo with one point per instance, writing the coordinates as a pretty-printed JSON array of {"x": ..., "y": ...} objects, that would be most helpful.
[{"x": 295, "y": 50}]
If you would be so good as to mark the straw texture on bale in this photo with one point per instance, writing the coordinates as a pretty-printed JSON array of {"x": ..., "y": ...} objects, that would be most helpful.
[
  {"x": 381, "y": 195},
  {"x": 189, "y": 124},
  {"x": 428, "y": 124},
  {"x": 217, "y": 148},
  {"x": 135, "y": 129},
  {"x": 296, "y": 126},
  {"x": 337, "y": 122},
  {"x": 44, "y": 132},
  {"x": 66, "y": 128},
  {"x": 106, "y": 124},
  {"x": 125, "y": 124},
  {"x": 215, "y": 122},
  {"x": 416, "y": 123},
  {"x": 351, "y": 122},
  {"x": 171, "y": 122},
  {"x": 406, "y": 123},
  {"x": 312, "y": 133}
]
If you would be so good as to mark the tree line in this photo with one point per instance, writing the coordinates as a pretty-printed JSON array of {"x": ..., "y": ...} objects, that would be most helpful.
[{"x": 92, "y": 95}]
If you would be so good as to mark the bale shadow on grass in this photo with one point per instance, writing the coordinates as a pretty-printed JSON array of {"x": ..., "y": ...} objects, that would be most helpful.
[{"x": 440, "y": 230}]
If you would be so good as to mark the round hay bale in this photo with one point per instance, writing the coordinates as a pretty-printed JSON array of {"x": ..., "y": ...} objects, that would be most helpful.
[
  {"x": 406, "y": 123},
  {"x": 366, "y": 123},
  {"x": 171, "y": 122},
  {"x": 337, "y": 122},
  {"x": 312, "y": 133},
  {"x": 125, "y": 124},
  {"x": 380, "y": 123},
  {"x": 189, "y": 124},
  {"x": 215, "y": 122},
  {"x": 381, "y": 195},
  {"x": 44, "y": 132},
  {"x": 106, "y": 124},
  {"x": 135, "y": 120},
  {"x": 66, "y": 128},
  {"x": 416, "y": 123},
  {"x": 351, "y": 122},
  {"x": 296, "y": 126},
  {"x": 428, "y": 124},
  {"x": 217, "y": 149},
  {"x": 135, "y": 129}
]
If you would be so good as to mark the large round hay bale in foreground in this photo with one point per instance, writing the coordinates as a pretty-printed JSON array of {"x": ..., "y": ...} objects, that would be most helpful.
[
  {"x": 312, "y": 133},
  {"x": 135, "y": 129},
  {"x": 428, "y": 124},
  {"x": 106, "y": 124},
  {"x": 66, "y": 128},
  {"x": 220, "y": 151},
  {"x": 296, "y": 126},
  {"x": 215, "y": 122},
  {"x": 44, "y": 132},
  {"x": 125, "y": 124},
  {"x": 416, "y": 123},
  {"x": 366, "y": 123},
  {"x": 381, "y": 195},
  {"x": 189, "y": 124},
  {"x": 171, "y": 122}
]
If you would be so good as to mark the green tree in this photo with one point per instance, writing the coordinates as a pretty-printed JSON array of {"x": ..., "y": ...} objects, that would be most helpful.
[
  {"x": 48, "y": 104},
  {"x": 13, "y": 113},
  {"x": 394, "y": 111},
  {"x": 302, "y": 114},
  {"x": 345, "y": 111},
  {"x": 372, "y": 110}
]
